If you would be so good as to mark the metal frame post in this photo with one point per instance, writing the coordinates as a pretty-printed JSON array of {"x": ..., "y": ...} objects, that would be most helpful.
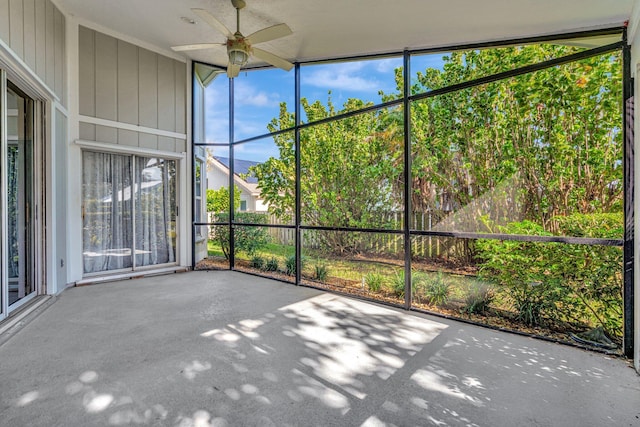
[
  {"x": 628, "y": 156},
  {"x": 298, "y": 214},
  {"x": 407, "y": 179},
  {"x": 232, "y": 240}
]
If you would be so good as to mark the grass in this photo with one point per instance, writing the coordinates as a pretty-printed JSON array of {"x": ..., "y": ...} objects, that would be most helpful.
[
  {"x": 280, "y": 252},
  {"x": 385, "y": 277}
]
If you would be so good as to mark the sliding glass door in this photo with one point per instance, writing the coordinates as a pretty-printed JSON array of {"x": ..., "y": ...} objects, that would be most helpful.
[
  {"x": 129, "y": 212},
  {"x": 18, "y": 174}
]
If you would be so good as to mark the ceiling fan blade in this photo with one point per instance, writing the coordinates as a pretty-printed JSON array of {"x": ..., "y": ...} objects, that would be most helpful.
[
  {"x": 196, "y": 46},
  {"x": 213, "y": 21},
  {"x": 272, "y": 59},
  {"x": 233, "y": 70},
  {"x": 270, "y": 33}
]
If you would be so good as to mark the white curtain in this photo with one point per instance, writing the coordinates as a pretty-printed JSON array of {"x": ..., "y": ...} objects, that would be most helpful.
[
  {"x": 110, "y": 187},
  {"x": 107, "y": 226},
  {"x": 155, "y": 211}
]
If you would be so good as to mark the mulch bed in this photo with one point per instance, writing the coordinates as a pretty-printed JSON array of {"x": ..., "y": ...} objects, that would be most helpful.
[{"x": 495, "y": 318}]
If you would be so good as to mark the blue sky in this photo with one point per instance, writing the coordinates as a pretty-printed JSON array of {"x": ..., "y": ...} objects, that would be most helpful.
[{"x": 259, "y": 93}]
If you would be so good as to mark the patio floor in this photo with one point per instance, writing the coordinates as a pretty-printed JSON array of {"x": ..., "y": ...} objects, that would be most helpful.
[{"x": 225, "y": 348}]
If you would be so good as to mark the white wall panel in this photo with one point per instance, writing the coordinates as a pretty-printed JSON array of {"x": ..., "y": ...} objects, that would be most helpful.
[
  {"x": 29, "y": 32},
  {"x": 16, "y": 22},
  {"x": 106, "y": 77},
  {"x": 141, "y": 92},
  {"x": 41, "y": 37},
  {"x": 4, "y": 21},
  {"x": 49, "y": 74},
  {"x": 127, "y": 83}
]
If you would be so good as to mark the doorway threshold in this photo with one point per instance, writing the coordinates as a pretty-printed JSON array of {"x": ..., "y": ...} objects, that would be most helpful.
[
  {"x": 20, "y": 317},
  {"x": 131, "y": 275}
]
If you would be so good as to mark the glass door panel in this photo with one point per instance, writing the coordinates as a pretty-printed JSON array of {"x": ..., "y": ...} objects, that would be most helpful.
[
  {"x": 19, "y": 178},
  {"x": 129, "y": 208},
  {"x": 155, "y": 209},
  {"x": 107, "y": 212}
]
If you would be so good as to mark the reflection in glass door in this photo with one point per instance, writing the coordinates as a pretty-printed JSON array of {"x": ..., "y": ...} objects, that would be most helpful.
[{"x": 18, "y": 175}]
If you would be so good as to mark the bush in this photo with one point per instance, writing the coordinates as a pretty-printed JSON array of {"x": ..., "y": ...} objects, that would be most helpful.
[
  {"x": 257, "y": 262},
  {"x": 248, "y": 239},
  {"x": 271, "y": 264},
  {"x": 374, "y": 281},
  {"x": 437, "y": 289},
  {"x": 520, "y": 270},
  {"x": 397, "y": 283},
  {"x": 479, "y": 297},
  {"x": 322, "y": 271},
  {"x": 550, "y": 282},
  {"x": 290, "y": 265}
]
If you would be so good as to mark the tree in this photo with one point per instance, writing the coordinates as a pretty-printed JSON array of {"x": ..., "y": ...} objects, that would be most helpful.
[
  {"x": 535, "y": 147},
  {"x": 218, "y": 200},
  {"x": 247, "y": 239},
  {"x": 345, "y": 170}
]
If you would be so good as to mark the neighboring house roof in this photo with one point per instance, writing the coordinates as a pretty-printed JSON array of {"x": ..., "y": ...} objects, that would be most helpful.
[
  {"x": 240, "y": 168},
  {"x": 242, "y": 177}
]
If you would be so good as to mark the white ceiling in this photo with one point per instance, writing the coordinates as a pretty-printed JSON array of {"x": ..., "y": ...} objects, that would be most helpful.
[{"x": 338, "y": 28}]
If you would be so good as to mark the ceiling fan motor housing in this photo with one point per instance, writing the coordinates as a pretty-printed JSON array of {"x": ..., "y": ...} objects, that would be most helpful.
[{"x": 238, "y": 50}]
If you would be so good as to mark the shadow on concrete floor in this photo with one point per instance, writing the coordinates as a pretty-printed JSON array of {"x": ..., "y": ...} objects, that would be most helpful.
[{"x": 224, "y": 348}]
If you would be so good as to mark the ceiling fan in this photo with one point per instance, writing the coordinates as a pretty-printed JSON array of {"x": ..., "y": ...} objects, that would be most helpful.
[{"x": 239, "y": 47}]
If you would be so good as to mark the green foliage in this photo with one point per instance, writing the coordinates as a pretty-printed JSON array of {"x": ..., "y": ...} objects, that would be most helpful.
[
  {"x": 375, "y": 281},
  {"x": 290, "y": 264},
  {"x": 551, "y": 282},
  {"x": 271, "y": 264},
  {"x": 397, "y": 283},
  {"x": 257, "y": 262},
  {"x": 539, "y": 145},
  {"x": 346, "y": 167},
  {"x": 437, "y": 289},
  {"x": 248, "y": 239},
  {"x": 321, "y": 272},
  {"x": 218, "y": 200},
  {"x": 479, "y": 297},
  {"x": 520, "y": 268}
]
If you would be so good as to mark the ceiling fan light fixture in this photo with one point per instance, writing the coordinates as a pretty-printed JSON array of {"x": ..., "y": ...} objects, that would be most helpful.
[
  {"x": 238, "y": 57},
  {"x": 239, "y": 47}
]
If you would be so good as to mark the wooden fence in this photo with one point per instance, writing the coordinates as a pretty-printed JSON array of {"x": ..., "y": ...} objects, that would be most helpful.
[{"x": 383, "y": 243}]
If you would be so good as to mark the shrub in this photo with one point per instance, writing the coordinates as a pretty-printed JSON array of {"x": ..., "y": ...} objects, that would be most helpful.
[
  {"x": 397, "y": 283},
  {"x": 290, "y": 265},
  {"x": 247, "y": 239},
  {"x": 322, "y": 271},
  {"x": 374, "y": 281},
  {"x": 479, "y": 297},
  {"x": 549, "y": 282},
  {"x": 271, "y": 264},
  {"x": 437, "y": 289},
  {"x": 519, "y": 268},
  {"x": 257, "y": 262}
]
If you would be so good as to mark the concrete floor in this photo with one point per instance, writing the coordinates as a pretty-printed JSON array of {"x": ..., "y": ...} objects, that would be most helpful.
[{"x": 224, "y": 348}]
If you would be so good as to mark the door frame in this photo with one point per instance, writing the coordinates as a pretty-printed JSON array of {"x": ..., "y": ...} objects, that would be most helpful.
[{"x": 36, "y": 261}]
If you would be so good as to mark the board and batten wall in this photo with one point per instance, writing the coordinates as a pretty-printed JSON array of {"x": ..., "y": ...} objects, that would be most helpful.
[
  {"x": 33, "y": 52},
  {"x": 35, "y": 31},
  {"x": 129, "y": 95}
]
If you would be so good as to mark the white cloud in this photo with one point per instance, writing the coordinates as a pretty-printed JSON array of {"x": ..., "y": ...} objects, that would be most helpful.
[
  {"x": 246, "y": 94},
  {"x": 343, "y": 77},
  {"x": 387, "y": 65},
  {"x": 216, "y": 114},
  {"x": 248, "y": 128}
]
